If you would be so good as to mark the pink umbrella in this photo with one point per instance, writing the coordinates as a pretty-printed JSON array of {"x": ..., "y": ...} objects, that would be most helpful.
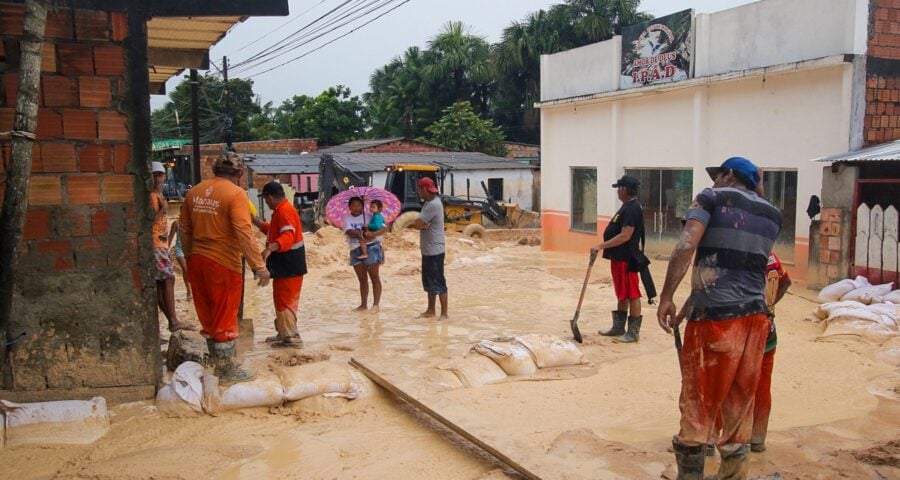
[{"x": 338, "y": 207}]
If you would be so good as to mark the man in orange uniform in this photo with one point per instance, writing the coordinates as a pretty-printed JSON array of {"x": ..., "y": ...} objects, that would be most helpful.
[
  {"x": 285, "y": 257},
  {"x": 216, "y": 229}
]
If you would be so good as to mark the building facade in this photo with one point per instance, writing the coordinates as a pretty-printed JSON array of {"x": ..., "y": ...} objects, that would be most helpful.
[{"x": 766, "y": 81}]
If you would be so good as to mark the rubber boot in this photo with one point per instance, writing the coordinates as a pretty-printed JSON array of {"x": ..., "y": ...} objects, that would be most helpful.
[
  {"x": 224, "y": 355},
  {"x": 634, "y": 331},
  {"x": 690, "y": 460},
  {"x": 618, "y": 328},
  {"x": 735, "y": 461}
]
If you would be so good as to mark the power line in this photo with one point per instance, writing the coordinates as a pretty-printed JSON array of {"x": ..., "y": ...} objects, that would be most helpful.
[
  {"x": 281, "y": 26},
  {"x": 404, "y": 2}
]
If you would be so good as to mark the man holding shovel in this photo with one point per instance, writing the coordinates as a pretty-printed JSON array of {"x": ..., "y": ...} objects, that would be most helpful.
[
  {"x": 732, "y": 230},
  {"x": 620, "y": 247}
]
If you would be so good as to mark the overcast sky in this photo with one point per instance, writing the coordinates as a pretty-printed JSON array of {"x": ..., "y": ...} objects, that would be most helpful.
[{"x": 351, "y": 60}]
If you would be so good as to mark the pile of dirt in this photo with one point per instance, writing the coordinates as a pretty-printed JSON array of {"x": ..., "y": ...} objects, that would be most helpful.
[
  {"x": 294, "y": 358},
  {"x": 325, "y": 247},
  {"x": 887, "y": 455}
]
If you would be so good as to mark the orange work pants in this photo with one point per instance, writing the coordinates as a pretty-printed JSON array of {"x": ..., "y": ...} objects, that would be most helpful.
[
  {"x": 217, "y": 297},
  {"x": 763, "y": 404},
  {"x": 721, "y": 366},
  {"x": 286, "y": 296}
]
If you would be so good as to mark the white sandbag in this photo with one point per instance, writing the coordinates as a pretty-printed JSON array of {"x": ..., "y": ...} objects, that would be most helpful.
[
  {"x": 187, "y": 383},
  {"x": 264, "y": 391},
  {"x": 870, "y": 332},
  {"x": 549, "y": 351},
  {"x": 170, "y": 404},
  {"x": 861, "y": 314},
  {"x": 893, "y": 297},
  {"x": 316, "y": 379},
  {"x": 837, "y": 290},
  {"x": 823, "y": 311},
  {"x": 867, "y": 295},
  {"x": 513, "y": 358},
  {"x": 72, "y": 422},
  {"x": 475, "y": 370}
]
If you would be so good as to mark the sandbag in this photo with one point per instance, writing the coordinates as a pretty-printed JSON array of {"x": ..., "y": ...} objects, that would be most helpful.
[
  {"x": 211, "y": 401},
  {"x": 264, "y": 391},
  {"x": 513, "y": 358},
  {"x": 71, "y": 422},
  {"x": 871, "y": 332},
  {"x": 837, "y": 290},
  {"x": 475, "y": 370},
  {"x": 187, "y": 382},
  {"x": 870, "y": 294},
  {"x": 316, "y": 379},
  {"x": 822, "y": 311},
  {"x": 549, "y": 351},
  {"x": 170, "y": 404},
  {"x": 893, "y": 297}
]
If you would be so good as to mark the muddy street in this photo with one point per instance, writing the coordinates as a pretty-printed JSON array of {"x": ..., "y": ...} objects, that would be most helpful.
[{"x": 612, "y": 418}]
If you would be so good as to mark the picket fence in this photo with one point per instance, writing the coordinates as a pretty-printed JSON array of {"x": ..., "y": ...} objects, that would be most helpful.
[{"x": 877, "y": 246}]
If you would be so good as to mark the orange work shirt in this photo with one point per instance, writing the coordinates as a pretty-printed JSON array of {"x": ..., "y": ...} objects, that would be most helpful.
[
  {"x": 215, "y": 223},
  {"x": 285, "y": 227}
]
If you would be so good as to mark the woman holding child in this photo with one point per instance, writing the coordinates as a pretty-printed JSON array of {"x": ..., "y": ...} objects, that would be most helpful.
[{"x": 364, "y": 233}]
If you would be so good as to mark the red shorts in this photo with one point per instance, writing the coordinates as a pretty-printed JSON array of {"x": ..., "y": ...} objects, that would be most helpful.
[{"x": 624, "y": 282}]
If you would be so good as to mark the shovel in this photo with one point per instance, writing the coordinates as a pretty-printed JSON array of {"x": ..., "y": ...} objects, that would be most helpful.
[{"x": 574, "y": 323}]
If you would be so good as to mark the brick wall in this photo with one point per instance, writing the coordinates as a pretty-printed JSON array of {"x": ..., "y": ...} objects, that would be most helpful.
[
  {"x": 404, "y": 146},
  {"x": 882, "y": 120},
  {"x": 82, "y": 291},
  {"x": 520, "y": 150},
  {"x": 209, "y": 153}
]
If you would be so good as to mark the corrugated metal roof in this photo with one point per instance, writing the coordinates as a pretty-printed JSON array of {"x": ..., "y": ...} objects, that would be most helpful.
[
  {"x": 885, "y": 152},
  {"x": 273, "y": 164}
]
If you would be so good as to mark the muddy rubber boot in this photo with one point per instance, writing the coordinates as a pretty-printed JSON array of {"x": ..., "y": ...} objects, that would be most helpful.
[
  {"x": 618, "y": 328},
  {"x": 735, "y": 461},
  {"x": 634, "y": 331},
  {"x": 690, "y": 460},
  {"x": 228, "y": 371}
]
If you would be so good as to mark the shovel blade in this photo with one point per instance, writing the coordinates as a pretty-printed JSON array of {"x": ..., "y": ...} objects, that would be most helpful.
[{"x": 575, "y": 332}]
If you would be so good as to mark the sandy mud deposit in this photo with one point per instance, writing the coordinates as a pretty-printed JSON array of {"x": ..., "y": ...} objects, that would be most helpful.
[{"x": 836, "y": 411}]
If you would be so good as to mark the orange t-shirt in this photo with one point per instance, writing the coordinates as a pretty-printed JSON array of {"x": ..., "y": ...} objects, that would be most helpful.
[
  {"x": 161, "y": 223},
  {"x": 215, "y": 223}
]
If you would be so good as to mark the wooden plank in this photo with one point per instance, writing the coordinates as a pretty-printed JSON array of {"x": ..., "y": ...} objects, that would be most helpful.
[
  {"x": 863, "y": 218},
  {"x": 876, "y": 232},
  {"x": 394, "y": 389},
  {"x": 180, "y": 8}
]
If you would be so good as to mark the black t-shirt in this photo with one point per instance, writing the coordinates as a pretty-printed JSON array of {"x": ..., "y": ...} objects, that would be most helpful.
[{"x": 630, "y": 215}]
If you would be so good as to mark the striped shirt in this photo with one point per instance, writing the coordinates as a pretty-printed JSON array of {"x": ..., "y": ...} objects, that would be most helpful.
[{"x": 729, "y": 277}]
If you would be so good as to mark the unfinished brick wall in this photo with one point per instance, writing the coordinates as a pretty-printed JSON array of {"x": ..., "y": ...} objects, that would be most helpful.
[
  {"x": 83, "y": 293},
  {"x": 882, "y": 120},
  {"x": 404, "y": 146},
  {"x": 209, "y": 153}
]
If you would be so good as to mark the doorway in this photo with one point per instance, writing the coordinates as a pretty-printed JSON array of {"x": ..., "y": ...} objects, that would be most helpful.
[{"x": 665, "y": 195}]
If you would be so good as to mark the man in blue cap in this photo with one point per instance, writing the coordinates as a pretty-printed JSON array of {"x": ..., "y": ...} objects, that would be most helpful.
[{"x": 732, "y": 230}]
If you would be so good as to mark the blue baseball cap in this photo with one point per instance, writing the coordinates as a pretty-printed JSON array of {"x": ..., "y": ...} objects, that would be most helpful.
[{"x": 741, "y": 167}]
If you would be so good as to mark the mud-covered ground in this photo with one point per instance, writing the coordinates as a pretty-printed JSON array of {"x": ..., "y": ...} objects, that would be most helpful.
[{"x": 835, "y": 415}]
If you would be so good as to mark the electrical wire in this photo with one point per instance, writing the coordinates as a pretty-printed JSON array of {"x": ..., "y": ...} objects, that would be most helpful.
[
  {"x": 281, "y": 26},
  {"x": 404, "y": 2}
]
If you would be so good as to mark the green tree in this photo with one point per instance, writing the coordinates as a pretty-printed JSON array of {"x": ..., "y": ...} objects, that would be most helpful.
[
  {"x": 396, "y": 106},
  {"x": 457, "y": 57},
  {"x": 516, "y": 58},
  {"x": 333, "y": 117},
  {"x": 462, "y": 129},
  {"x": 173, "y": 120},
  {"x": 262, "y": 125}
]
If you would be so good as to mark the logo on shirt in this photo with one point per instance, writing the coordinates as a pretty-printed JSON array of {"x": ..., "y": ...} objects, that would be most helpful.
[{"x": 208, "y": 191}]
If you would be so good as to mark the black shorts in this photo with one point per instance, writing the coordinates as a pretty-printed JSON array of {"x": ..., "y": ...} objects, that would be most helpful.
[{"x": 433, "y": 280}]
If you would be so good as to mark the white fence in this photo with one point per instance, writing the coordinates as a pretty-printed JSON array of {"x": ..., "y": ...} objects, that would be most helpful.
[{"x": 877, "y": 246}]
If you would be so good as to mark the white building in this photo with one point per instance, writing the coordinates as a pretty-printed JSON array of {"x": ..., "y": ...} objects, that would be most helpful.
[{"x": 780, "y": 82}]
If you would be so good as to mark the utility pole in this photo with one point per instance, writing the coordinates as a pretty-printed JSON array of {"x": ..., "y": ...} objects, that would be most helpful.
[
  {"x": 195, "y": 128},
  {"x": 229, "y": 145}
]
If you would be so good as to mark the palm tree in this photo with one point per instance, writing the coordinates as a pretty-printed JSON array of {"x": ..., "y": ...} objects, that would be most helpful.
[{"x": 462, "y": 58}]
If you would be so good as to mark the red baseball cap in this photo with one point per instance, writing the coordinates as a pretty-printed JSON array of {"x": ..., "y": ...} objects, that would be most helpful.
[{"x": 428, "y": 184}]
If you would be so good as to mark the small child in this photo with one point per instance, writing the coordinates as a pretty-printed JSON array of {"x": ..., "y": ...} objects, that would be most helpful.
[{"x": 376, "y": 223}]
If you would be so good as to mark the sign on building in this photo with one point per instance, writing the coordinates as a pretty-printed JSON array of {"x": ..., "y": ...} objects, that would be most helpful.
[{"x": 657, "y": 51}]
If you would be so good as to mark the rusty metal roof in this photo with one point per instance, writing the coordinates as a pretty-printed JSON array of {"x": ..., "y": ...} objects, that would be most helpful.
[
  {"x": 178, "y": 43},
  {"x": 885, "y": 152}
]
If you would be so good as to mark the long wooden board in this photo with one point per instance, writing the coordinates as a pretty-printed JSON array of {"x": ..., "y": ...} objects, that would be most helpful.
[{"x": 396, "y": 390}]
